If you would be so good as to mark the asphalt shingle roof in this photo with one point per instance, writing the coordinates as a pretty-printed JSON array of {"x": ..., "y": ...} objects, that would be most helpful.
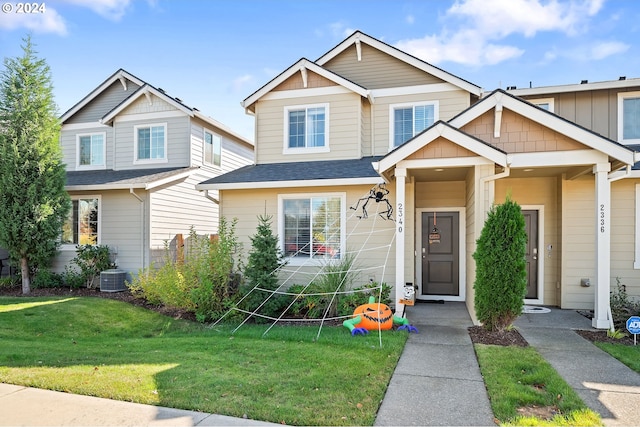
[
  {"x": 122, "y": 177},
  {"x": 300, "y": 171}
]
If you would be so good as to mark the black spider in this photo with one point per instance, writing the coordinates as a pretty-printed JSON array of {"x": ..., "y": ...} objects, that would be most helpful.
[{"x": 379, "y": 194}]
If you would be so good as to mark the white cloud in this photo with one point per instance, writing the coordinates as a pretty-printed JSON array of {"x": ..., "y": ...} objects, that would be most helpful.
[
  {"x": 602, "y": 50},
  {"x": 110, "y": 9},
  {"x": 410, "y": 19},
  {"x": 48, "y": 22},
  {"x": 474, "y": 28},
  {"x": 239, "y": 83}
]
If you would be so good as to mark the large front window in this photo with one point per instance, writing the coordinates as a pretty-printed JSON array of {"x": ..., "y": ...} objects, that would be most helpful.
[
  {"x": 151, "y": 142},
  {"x": 91, "y": 149},
  {"x": 629, "y": 117},
  {"x": 82, "y": 226},
  {"x": 409, "y": 120},
  {"x": 306, "y": 127},
  {"x": 312, "y": 227}
]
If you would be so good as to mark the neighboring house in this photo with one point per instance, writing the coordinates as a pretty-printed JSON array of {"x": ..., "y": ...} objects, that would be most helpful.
[
  {"x": 329, "y": 130},
  {"x": 133, "y": 156}
]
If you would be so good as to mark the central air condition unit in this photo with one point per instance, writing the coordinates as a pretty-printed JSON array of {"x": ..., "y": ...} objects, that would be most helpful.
[{"x": 113, "y": 280}]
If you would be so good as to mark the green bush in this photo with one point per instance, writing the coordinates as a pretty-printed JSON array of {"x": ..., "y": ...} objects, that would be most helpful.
[
  {"x": 205, "y": 282},
  {"x": 622, "y": 306},
  {"x": 44, "y": 278},
  {"x": 90, "y": 260},
  {"x": 501, "y": 276}
]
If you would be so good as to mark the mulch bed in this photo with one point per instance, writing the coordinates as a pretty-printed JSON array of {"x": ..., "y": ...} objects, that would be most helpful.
[
  {"x": 601, "y": 336},
  {"x": 480, "y": 335}
]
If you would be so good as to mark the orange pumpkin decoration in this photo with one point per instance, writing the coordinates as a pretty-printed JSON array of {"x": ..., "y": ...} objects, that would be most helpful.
[{"x": 373, "y": 316}]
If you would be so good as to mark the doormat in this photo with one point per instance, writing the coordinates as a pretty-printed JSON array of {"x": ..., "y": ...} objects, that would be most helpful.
[{"x": 529, "y": 309}]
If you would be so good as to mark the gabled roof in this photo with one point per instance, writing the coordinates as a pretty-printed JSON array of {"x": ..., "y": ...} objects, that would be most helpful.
[
  {"x": 545, "y": 118},
  {"x": 296, "y": 174},
  {"x": 147, "y": 90},
  {"x": 301, "y": 66},
  {"x": 107, "y": 179},
  {"x": 360, "y": 37},
  {"x": 445, "y": 130}
]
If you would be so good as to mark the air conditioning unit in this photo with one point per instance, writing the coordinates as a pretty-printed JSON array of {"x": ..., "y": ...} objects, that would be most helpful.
[{"x": 113, "y": 280}]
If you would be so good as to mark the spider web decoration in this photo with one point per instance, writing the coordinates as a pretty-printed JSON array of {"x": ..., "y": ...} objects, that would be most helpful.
[{"x": 377, "y": 238}]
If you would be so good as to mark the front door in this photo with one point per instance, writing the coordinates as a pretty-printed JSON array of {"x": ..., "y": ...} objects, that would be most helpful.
[
  {"x": 440, "y": 253},
  {"x": 531, "y": 256}
]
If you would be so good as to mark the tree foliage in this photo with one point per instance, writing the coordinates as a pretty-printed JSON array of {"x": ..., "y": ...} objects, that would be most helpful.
[
  {"x": 33, "y": 201},
  {"x": 501, "y": 275}
]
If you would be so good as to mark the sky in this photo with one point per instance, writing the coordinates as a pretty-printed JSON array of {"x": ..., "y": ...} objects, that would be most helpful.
[{"x": 213, "y": 54}]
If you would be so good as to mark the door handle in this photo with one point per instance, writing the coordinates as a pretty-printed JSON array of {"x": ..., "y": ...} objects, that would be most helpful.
[{"x": 535, "y": 253}]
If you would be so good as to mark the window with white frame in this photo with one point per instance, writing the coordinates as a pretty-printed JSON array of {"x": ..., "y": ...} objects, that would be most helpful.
[
  {"x": 91, "y": 150},
  {"x": 629, "y": 117},
  {"x": 82, "y": 226},
  {"x": 212, "y": 148},
  {"x": 150, "y": 143},
  {"x": 312, "y": 226},
  {"x": 544, "y": 103},
  {"x": 306, "y": 128},
  {"x": 408, "y": 120}
]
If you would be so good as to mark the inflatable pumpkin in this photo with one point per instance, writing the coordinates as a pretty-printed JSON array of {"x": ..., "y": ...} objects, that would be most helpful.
[{"x": 375, "y": 316}]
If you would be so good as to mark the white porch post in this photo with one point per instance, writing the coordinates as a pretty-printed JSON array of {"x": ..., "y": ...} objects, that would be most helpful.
[
  {"x": 401, "y": 175},
  {"x": 603, "y": 246}
]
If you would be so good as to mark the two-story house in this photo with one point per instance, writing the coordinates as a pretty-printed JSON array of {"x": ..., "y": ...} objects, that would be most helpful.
[
  {"x": 365, "y": 113},
  {"x": 133, "y": 156}
]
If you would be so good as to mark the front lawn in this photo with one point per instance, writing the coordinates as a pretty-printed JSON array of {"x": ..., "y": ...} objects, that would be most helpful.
[
  {"x": 106, "y": 348},
  {"x": 629, "y": 355}
]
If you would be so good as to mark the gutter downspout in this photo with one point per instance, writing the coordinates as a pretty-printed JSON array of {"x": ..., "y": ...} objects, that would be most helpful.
[
  {"x": 627, "y": 174},
  {"x": 213, "y": 199},
  {"x": 504, "y": 174},
  {"x": 142, "y": 227}
]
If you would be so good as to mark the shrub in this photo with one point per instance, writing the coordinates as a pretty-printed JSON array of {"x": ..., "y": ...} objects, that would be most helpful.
[
  {"x": 44, "y": 278},
  {"x": 91, "y": 260},
  {"x": 622, "y": 305},
  {"x": 501, "y": 276}
]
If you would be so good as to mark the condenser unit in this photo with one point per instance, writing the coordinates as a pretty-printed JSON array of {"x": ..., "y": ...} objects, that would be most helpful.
[{"x": 113, "y": 280}]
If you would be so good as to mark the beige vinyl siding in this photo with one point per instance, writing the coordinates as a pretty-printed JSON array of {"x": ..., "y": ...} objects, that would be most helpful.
[
  {"x": 472, "y": 234},
  {"x": 440, "y": 194},
  {"x": 178, "y": 207},
  {"x": 178, "y": 142},
  {"x": 377, "y": 69},
  {"x": 246, "y": 205},
  {"x": 623, "y": 242},
  {"x": 450, "y": 103},
  {"x": 234, "y": 154},
  {"x": 103, "y": 103},
  {"x": 579, "y": 241},
  {"x": 343, "y": 128},
  {"x": 538, "y": 191},
  {"x": 365, "y": 128},
  {"x": 121, "y": 228},
  {"x": 69, "y": 144}
]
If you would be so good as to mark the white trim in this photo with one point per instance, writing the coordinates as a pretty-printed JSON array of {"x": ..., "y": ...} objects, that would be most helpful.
[
  {"x": 613, "y": 84},
  {"x": 290, "y": 184},
  {"x": 403, "y": 56},
  {"x": 305, "y": 150},
  {"x": 104, "y": 151},
  {"x": 453, "y": 162},
  {"x": 542, "y": 252},
  {"x": 304, "y": 93},
  {"x": 148, "y": 116},
  {"x": 83, "y": 126},
  {"x": 556, "y": 158},
  {"x": 146, "y": 91},
  {"x": 405, "y": 105},
  {"x": 549, "y": 101},
  {"x": 137, "y": 161},
  {"x": 462, "y": 256},
  {"x": 343, "y": 225},
  {"x": 621, "y": 97},
  {"x": 73, "y": 246},
  {"x": 636, "y": 262},
  {"x": 414, "y": 90}
]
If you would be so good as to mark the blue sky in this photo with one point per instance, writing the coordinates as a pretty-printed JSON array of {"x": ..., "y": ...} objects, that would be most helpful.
[{"x": 213, "y": 54}]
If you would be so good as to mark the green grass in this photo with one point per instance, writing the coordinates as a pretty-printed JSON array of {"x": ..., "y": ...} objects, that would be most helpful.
[
  {"x": 518, "y": 377},
  {"x": 106, "y": 348},
  {"x": 629, "y": 355}
]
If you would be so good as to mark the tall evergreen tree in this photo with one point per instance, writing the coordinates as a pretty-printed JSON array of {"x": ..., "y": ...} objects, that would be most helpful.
[
  {"x": 501, "y": 271},
  {"x": 33, "y": 201}
]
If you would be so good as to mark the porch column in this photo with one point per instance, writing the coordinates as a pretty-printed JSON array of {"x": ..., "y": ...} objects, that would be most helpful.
[
  {"x": 603, "y": 246},
  {"x": 401, "y": 175}
]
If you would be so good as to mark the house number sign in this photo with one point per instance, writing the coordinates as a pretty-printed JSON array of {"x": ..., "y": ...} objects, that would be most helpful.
[
  {"x": 400, "y": 217},
  {"x": 602, "y": 218}
]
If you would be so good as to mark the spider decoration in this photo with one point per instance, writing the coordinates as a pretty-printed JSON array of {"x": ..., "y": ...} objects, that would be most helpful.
[{"x": 379, "y": 194}]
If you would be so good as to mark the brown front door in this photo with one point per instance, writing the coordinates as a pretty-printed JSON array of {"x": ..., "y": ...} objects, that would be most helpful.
[
  {"x": 440, "y": 257},
  {"x": 531, "y": 225}
]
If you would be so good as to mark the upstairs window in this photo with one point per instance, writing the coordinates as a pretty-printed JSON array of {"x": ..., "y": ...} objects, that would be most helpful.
[
  {"x": 312, "y": 226},
  {"x": 151, "y": 143},
  {"x": 306, "y": 128},
  {"x": 91, "y": 150},
  {"x": 629, "y": 117},
  {"x": 82, "y": 226},
  {"x": 408, "y": 120},
  {"x": 544, "y": 103},
  {"x": 212, "y": 148}
]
